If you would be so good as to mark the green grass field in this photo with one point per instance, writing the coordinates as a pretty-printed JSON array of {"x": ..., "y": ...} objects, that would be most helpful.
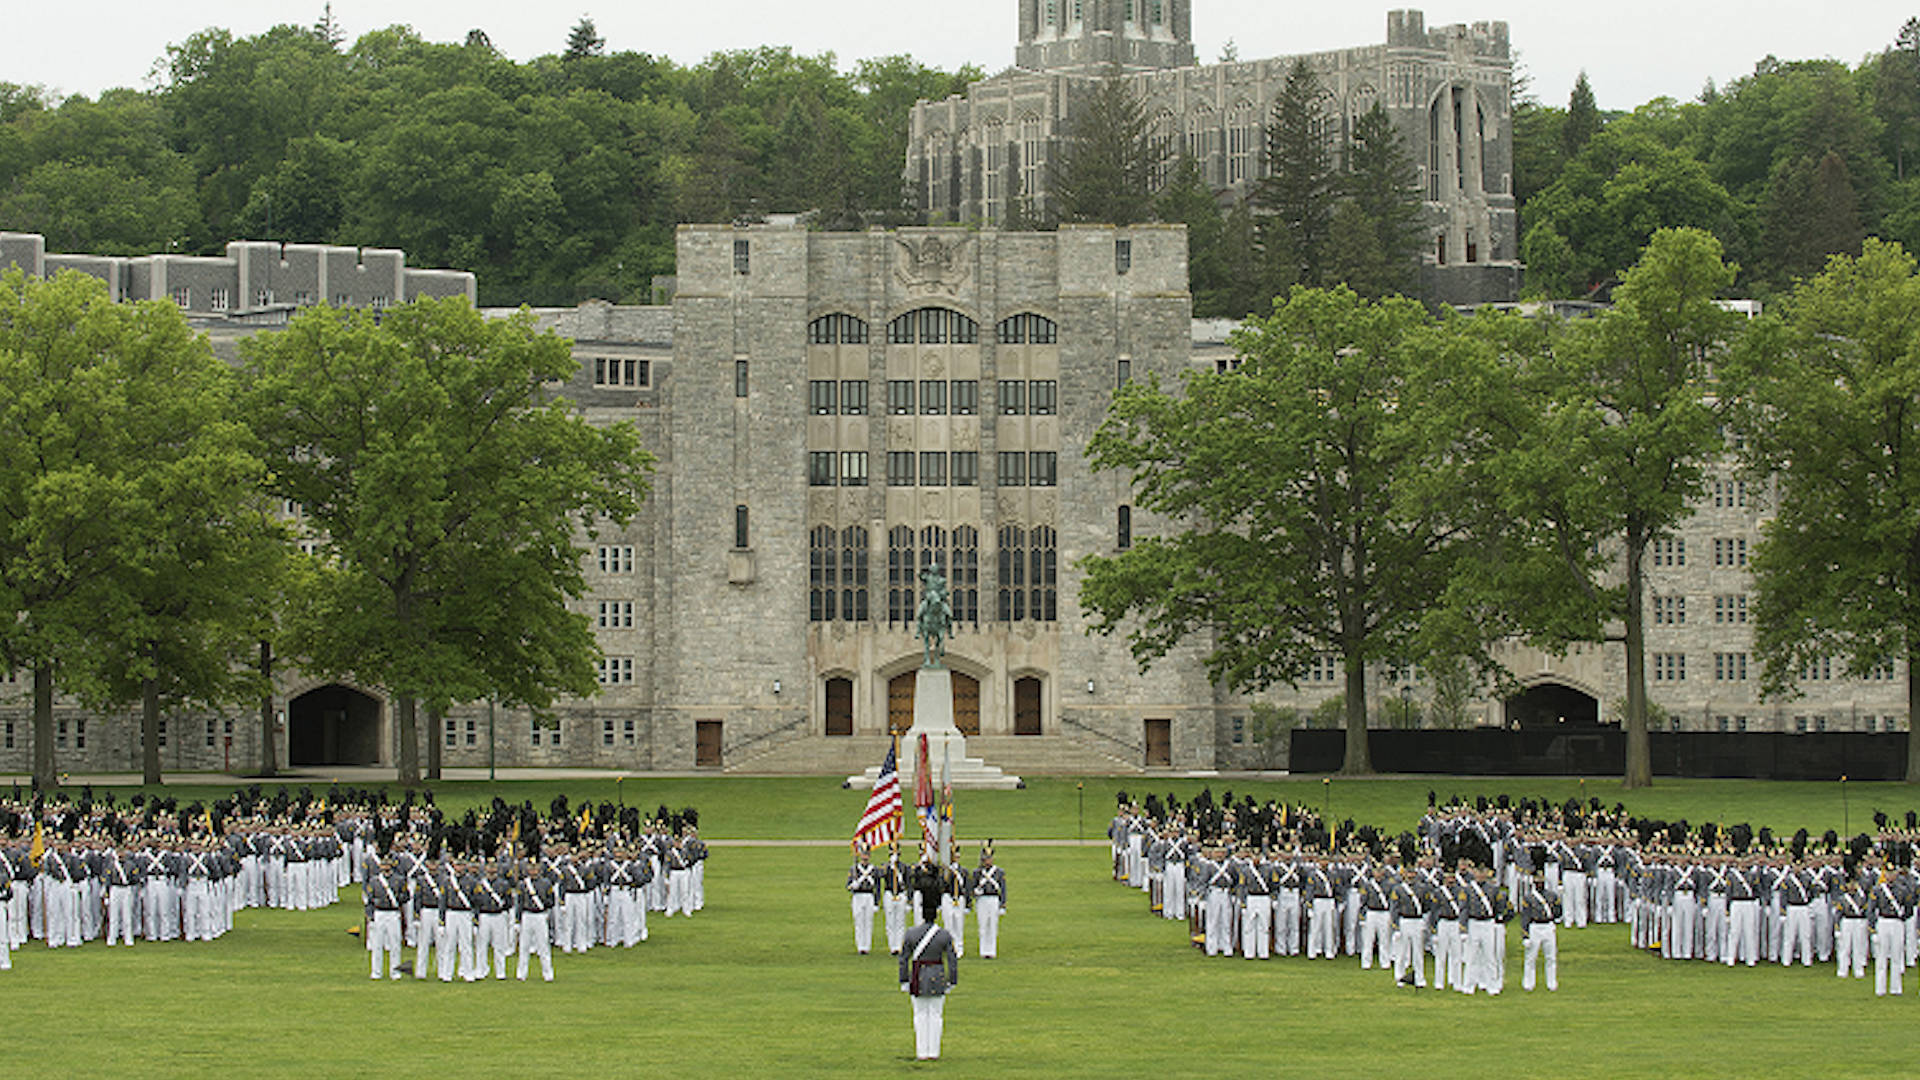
[{"x": 765, "y": 982}]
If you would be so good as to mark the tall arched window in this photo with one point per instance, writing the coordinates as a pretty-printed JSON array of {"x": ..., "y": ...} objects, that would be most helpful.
[
  {"x": 933, "y": 550},
  {"x": 900, "y": 574},
  {"x": 853, "y": 574},
  {"x": 933, "y": 326},
  {"x": 1043, "y": 599},
  {"x": 1013, "y": 574},
  {"x": 1031, "y": 152},
  {"x": 966, "y": 575},
  {"x": 822, "y": 559},
  {"x": 937, "y": 153},
  {"x": 996, "y": 180},
  {"x": 1240, "y": 142}
]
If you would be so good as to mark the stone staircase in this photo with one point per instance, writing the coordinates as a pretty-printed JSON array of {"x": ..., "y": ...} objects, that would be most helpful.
[{"x": 1025, "y": 755}]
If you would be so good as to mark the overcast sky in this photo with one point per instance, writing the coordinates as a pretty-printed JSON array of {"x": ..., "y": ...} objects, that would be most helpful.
[{"x": 1633, "y": 50}]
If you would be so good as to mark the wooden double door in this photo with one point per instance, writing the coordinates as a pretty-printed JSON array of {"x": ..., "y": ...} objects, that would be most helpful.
[{"x": 966, "y": 703}]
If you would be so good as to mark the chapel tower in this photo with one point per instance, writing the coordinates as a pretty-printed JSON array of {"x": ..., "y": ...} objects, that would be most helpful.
[{"x": 1087, "y": 36}]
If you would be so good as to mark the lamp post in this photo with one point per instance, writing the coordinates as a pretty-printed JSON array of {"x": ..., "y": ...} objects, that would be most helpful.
[{"x": 1080, "y": 788}]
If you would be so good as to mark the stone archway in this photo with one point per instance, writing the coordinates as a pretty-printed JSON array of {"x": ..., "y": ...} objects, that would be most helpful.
[
  {"x": 1552, "y": 705},
  {"x": 333, "y": 725}
]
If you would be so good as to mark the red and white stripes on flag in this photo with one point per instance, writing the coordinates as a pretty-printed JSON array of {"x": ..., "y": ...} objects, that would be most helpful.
[{"x": 880, "y": 822}]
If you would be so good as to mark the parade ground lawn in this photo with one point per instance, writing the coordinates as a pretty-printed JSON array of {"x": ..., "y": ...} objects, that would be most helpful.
[{"x": 765, "y": 981}]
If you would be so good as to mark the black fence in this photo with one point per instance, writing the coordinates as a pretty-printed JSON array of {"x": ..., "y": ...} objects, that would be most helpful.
[{"x": 1603, "y": 751}]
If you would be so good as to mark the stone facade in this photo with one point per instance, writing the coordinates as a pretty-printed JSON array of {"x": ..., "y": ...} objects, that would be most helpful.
[{"x": 1448, "y": 91}]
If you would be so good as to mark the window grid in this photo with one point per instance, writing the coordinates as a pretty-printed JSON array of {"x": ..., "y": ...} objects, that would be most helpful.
[
  {"x": 837, "y": 329},
  {"x": 616, "y": 558},
  {"x": 933, "y": 326},
  {"x": 1043, "y": 397},
  {"x": 964, "y": 397},
  {"x": 620, "y": 371},
  {"x": 966, "y": 468},
  {"x": 1670, "y": 551},
  {"x": 1012, "y": 470},
  {"x": 1730, "y": 667},
  {"x": 853, "y": 468},
  {"x": 616, "y": 614},
  {"x": 1013, "y": 397},
  {"x": 1669, "y": 667},
  {"x": 853, "y": 397},
  {"x": 822, "y": 468},
  {"x": 1043, "y": 468},
  {"x": 933, "y": 468},
  {"x": 900, "y": 468},
  {"x": 1670, "y": 610},
  {"x": 1027, "y": 329}
]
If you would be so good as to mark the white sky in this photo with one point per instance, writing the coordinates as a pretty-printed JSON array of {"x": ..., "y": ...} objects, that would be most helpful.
[{"x": 1633, "y": 50}]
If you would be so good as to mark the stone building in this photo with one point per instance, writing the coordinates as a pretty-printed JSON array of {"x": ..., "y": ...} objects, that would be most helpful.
[
  {"x": 1448, "y": 91},
  {"x": 833, "y": 412}
]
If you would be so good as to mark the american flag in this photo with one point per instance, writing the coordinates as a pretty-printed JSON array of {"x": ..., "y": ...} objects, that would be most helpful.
[{"x": 880, "y": 823}]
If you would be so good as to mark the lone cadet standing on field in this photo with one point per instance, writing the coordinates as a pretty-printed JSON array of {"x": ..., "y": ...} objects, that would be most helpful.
[{"x": 929, "y": 967}]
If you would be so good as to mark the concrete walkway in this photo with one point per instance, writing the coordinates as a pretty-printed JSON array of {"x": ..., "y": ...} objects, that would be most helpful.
[{"x": 359, "y": 774}]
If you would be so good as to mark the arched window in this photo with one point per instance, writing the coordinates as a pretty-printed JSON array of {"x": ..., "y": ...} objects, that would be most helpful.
[
  {"x": 1013, "y": 573},
  {"x": 1027, "y": 329},
  {"x": 996, "y": 154},
  {"x": 1032, "y": 150},
  {"x": 933, "y": 326},
  {"x": 937, "y": 169},
  {"x": 853, "y": 574},
  {"x": 933, "y": 550},
  {"x": 966, "y": 575},
  {"x": 1240, "y": 142},
  {"x": 1042, "y": 602},
  {"x": 837, "y": 329},
  {"x": 822, "y": 558},
  {"x": 900, "y": 574}
]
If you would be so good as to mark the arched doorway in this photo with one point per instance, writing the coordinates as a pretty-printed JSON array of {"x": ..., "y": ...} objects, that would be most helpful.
[
  {"x": 966, "y": 703},
  {"x": 333, "y": 725},
  {"x": 1552, "y": 705}
]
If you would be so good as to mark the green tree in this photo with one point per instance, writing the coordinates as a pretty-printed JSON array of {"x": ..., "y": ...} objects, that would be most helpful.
[
  {"x": 1187, "y": 200},
  {"x": 1620, "y": 435},
  {"x": 1375, "y": 232},
  {"x": 1583, "y": 120},
  {"x": 1537, "y": 153},
  {"x": 1110, "y": 162},
  {"x": 448, "y": 489},
  {"x": 1295, "y": 199},
  {"x": 584, "y": 40},
  {"x": 1318, "y": 495},
  {"x": 1825, "y": 392},
  {"x": 81, "y": 477}
]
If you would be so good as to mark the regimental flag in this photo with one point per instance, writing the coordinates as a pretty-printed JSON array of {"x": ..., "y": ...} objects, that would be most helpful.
[
  {"x": 880, "y": 822},
  {"x": 923, "y": 796},
  {"x": 39, "y": 849},
  {"x": 946, "y": 805}
]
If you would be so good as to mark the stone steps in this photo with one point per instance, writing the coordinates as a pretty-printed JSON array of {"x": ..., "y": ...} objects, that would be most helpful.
[{"x": 1020, "y": 754}]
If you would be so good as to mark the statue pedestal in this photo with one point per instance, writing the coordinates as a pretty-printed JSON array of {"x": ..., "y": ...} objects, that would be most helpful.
[{"x": 933, "y": 717}]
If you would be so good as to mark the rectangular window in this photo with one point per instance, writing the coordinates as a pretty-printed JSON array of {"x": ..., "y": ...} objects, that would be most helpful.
[
  {"x": 1669, "y": 610},
  {"x": 1013, "y": 469},
  {"x": 8, "y": 741},
  {"x": 1730, "y": 553},
  {"x": 1123, "y": 262},
  {"x": 820, "y": 471},
  {"x": 965, "y": 397},
  {"x": 616, "y": 614},
  {"x": 626, "y": 731},
  {"x": 1122, "y": 372},
  {"x": 1325, "y": 667},
  {"x": 80, "y": 733},
  {"x": 1013, "y": 397},
  {"x": 263, "y": 297},
  {"x": 933, "y": 468},
  {"x": 900, "y": 397},
  {"x": 853, "y": 397},
  {"x": 900, "y": 468},
  {"x": 452, "y": 733},
  {"x": 740, "y": 534},
  {"x": 473, "y": 732},
  {"x": 966, "y": 468},
  {"x": 1043, "y": 468},
  {"x": 1043, "y": 397},
  {"x": 1671, "y": 551},
  {"x": 933, "y": 397},
  {"x": 1239, "y": 730},
  {"x": 853, "y": 468},
  {"x": 619, "y": 371},
  {"x": 742, "y": 257},
  {"x": 822, "y": 395},
  {"x": 739, "y": 378},
  {"x": 210, "y": 734},
  {"x": 1669, "y": 667},
  {"x": 606, "y": 731},
  {"x": 221, "y": 298},
  {"x": 181, "y": 296},
  {"x": 1730, "y": 667},
  {"x": 616, "y": 670},
  {"x": 534, "y": 727},
  {"x": 1820, "y": 670},
  {"x": 60, "y": 735},
  {"x": 616, "y": 558},
  {"x": 162, "y": 733},
  {"x": 1730, "y": 609},
  {"x": 1123, "y": 528}
]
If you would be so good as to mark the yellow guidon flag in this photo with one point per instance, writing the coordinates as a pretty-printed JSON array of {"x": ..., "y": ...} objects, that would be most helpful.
[
  {"x": 39, "y": 849},
  {"x": 586, "y": 818}
]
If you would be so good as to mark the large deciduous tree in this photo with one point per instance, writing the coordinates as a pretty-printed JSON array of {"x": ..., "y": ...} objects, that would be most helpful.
[
  {"x": 1613, "y": 458},
  {"x": 1317, "y": 495},
  {"x": 1829, "y": 398},
  {"x": 448, "y": 488}
]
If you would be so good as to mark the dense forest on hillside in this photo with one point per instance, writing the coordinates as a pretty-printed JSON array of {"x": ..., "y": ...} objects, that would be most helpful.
[{"x": 561, "y": 178}]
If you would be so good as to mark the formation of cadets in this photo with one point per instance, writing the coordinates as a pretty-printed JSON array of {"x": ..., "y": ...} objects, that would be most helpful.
[
  {"x": 894, "y": 890},
  {"x": 484, "y": 887},
  {"x": 1255, "y": 881}
]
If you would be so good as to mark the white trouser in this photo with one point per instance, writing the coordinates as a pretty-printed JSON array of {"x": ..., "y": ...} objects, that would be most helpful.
[
  {"x": 1320, "y": 939},
  {"x": 1686, "y": 916},
  {"x": 456, "y": 947},
  {"x": 122, "y": 906},
  {"x": 953, "y": 916},
  {"x": 1173, "y": 893},
  {"x": 1799, "y": 932},
  {"x": 536, "y": 940},
  {"x": 493, "y": 935},
  {"x": 1889, "y": 955},
  {"x": 1410, "y": 950},
  {"x": 1481, "y": 958},
  {"x": 1823, "y": 929},
  {"x": 1219, "y": 932},
  {"x": 425, "y": 938},
  {"x": 986, "y": 912},
  {"x": 1604, "y": 897},
  {"x": 699, "y": 884},
  {"x": 894, "y": 905},
  {"x": 383, "y": 938},
  {"x": 1543, "y": 942},
  {"x": 1256, "y": 927},
  {"x": 1375, "y": 929},
  {"x": 1850, "y": 948},
  {"x": 679, "y": 892},
  {"x": 624, "y": 910},
  {"x": 1286, "y": 922},
  {"x": 15, "y": 926},
  {"x": 1743, "y": 933},
  {"x": 1573, "y": 883},
  {"x": 863, "y": 921},
  {"x": 927, "y": 1020},
  {"x": 1446, "y": 951},
  {"x": 199, "y": 911},
  {"x": 1717, "y": 944}
]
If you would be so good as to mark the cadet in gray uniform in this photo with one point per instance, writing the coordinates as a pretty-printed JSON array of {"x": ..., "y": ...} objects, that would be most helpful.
[
  {"x": 1538, "y": 915},
  {"x": 929, "y": 968},
  {"x": 989, "y": 902},
  {"x": 863, "y": 884},
  {"x": 385, "y": 897},
  {"x": 534, "y": 898}
]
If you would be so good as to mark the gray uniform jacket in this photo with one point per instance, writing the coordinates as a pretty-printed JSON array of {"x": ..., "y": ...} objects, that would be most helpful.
[{"x": 930, "y": 969}]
